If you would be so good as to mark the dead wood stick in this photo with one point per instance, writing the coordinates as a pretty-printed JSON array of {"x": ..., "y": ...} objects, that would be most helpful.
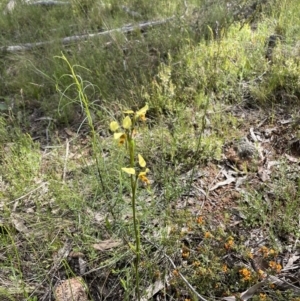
[
  {"x": 12, "y": 3},
  {"x": 72, "y": 39},
  {"x": 49, "y": 3}
]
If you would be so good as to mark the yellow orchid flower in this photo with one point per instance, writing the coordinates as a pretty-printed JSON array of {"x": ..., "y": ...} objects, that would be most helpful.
[
  {"x": 142, "y": 176},
  {"x": 142, "y": 112},
  {"x": 121, "y": 137},
  {"x": 143, "y": 118},
  {"x": 114, "y": 126}
]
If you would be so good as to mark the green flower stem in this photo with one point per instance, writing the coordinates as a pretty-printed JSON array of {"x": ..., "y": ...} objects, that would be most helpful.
[{"x": 136, "y": 227}]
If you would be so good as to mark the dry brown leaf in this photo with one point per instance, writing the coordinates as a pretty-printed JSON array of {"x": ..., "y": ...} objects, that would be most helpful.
[
  {"x": 18, "y": 224},
  {"x": 272, "y": 163},
  {"x": 252, "y": 290},
  {"x": 286, "y": 121},
  {"x": 263, "y": 174},
  {"x": 223, "y": 183},
  {"x": 153, "y": 289},
  {"x": 62, "y": 253},
  {"x": 248, "y": 293},
  {"x": 82, "y": 265},
  {"x": 281, "y": 283},
  {"x": 70, "y": 133},
  {"x": 107, "y": 244},
  {"x": 72, "y": 289},
  {"x": 98, "y": 217},
  {"x": 291, "y": 158},
  {"x": 290, "y": 264},
  {"x": 75, "y": 254}
]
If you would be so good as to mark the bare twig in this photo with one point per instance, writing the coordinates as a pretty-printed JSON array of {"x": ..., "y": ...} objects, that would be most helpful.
[
  {"x": 185, "y": 9},
  {"x": 175, "y": 267},
  {"x": 12, "y": 3},
  {"x": 49, "y": 119},
  {"x": 185, "y": 280},
  {"x": 29, "y": 193},
  {"x": 49, "y": 3}
]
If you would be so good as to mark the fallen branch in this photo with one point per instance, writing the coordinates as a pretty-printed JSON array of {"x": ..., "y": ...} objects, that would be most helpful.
[
  {"x": 72, "y": 39},
  {"x": 12, "y": 3},
  {"x": 49, "y": 3}
]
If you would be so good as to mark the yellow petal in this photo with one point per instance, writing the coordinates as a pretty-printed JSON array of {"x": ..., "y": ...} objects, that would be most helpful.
[
  {"x": 122, "y": 139},
  {"x": 114, "y": 126},
  {"x": 129, "y": 170},
  {"x": 142, "y": 111},
  {"x": 143, "y": 178},
  {"x": 118, "y": 135},
  {"x": 143, "y": 117},
  {"x": 142, "y": 162},
  {"x": 127, "y": 123},
  {"x": 143, "y": 173}
]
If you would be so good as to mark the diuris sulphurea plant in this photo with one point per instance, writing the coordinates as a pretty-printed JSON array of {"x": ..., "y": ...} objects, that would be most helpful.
[{"x": 125, "y": 135}]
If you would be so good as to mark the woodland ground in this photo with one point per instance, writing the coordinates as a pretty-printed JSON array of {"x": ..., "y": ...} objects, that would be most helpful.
[{"x": 221, "y": 218}]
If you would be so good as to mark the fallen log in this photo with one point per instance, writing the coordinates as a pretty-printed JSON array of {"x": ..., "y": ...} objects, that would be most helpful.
[
  {"x": 49, "y": 3},
  {"x": 72, "y": 39},
  {"x": 12, "y": 3}
]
